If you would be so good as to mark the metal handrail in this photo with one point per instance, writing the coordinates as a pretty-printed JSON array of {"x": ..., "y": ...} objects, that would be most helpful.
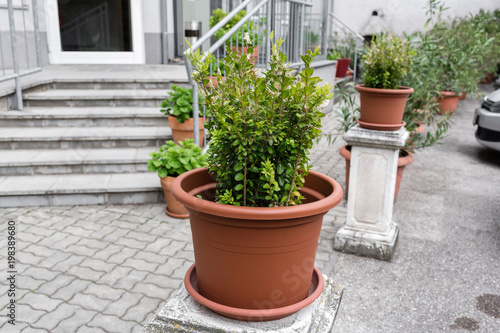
[{"x": 295, "y": 13}]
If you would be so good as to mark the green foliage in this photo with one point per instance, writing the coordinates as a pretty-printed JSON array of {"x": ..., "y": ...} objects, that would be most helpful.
[
  {"x": 173, "y": 160},
  {"x": 333, "y": 55},
  {"x": 262, "y": 126},
  {"x": 179, "y": 103},
  {"x": 238, "y": 38},
  {"x": 386, "y": 62}
]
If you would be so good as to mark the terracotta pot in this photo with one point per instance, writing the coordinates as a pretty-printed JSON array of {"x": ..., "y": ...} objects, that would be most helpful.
[
  {"x": 447, "y": 102},
  {"x": 255, "y": 257},
  {"x": 462, "y": 95},
  {"x": 382, "y": 109},
  {"x": 183, "y": 131},
  {"x": 215, "y": 82},
  {"x": 342, "y": 66},
  {"x": 403, "y": 161},
  {"x": 253, "y": 57},
  {"x": 173, "y": 208}
]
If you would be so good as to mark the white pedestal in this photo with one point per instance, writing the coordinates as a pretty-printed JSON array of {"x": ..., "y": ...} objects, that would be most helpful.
[
  {"x": 183, "y": 314},
  {"x": 369, "y": 230}
]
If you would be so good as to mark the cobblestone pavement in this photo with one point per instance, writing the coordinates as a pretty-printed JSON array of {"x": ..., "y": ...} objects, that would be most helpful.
[{"x": 111, "y": 268}]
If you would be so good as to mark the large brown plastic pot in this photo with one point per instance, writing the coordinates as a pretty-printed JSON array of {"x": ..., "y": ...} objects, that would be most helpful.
[
  {"x": 173, "y": 208},
  {"x": 382, "y": 109},
  {"x": 448, "y": 102},
  {"x": 255, "y": 257},
  {"x": 185, "y": 130},
  {"x": 403, "y": 161}
]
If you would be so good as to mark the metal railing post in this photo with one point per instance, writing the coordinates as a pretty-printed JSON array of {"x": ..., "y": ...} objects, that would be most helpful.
[
  {"x": 19, "y": 97},
  {"x": 37, "y": 37}
]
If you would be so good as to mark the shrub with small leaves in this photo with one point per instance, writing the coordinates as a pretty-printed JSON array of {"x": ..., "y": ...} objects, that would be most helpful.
[
  {"x": 173, "y": 160},
  {"x": 262, "y": 126},
  {"x": 386, "y": 62},
  {"x": 179, "y": 103}
]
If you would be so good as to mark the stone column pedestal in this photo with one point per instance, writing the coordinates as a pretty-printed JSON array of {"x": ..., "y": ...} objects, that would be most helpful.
[{"x": 369, "y": 229}]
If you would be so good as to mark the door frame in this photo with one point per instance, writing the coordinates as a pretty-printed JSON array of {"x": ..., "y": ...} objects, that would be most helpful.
[{"x": 57, "y": 56}]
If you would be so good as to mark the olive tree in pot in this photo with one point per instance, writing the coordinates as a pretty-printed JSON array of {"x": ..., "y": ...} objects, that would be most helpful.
[
  {"x": 382, "y": 98},
  {"x": 256, "y": 212},
  {"x": 178, "y": 106},
  {"x": 172, "y": 160}
]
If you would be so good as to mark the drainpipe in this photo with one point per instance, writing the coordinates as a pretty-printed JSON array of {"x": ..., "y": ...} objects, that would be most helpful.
[{"x": 164, "y": 31}]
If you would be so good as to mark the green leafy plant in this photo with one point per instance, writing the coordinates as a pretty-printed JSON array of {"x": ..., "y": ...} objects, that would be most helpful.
[
  {"x": 238, "y": 38},
  {"x": 262, "y": 126},
  {"x": 174, "y": 159},
  {"x": 386, "y": 62},
  {"x": 179, "y": 103},
  {"x": 333, "y": 55}
]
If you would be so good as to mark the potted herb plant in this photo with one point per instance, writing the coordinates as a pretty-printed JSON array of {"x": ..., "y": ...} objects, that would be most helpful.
[
  {"x": 382, "y": 97},
  {"x": 170, "y": 161},
  {"x": 256, "y": 211},
  {"x": 178, "y": 106}
]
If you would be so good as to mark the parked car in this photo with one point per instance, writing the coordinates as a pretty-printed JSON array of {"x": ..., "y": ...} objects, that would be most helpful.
[{"x": 487, "y": 119}]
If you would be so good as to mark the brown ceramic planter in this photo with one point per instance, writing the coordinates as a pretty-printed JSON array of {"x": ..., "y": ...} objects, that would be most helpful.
[
  {"x": 251, "y": 257},
  {"x": 462, "y": 95},
  {"x": 183, "y": 131},
  {"x": 382, "y": 109},
  {"x": 173, "y": 208},
  {"x": 403, "y": 161},
  {"x": 447, "y": 102}
]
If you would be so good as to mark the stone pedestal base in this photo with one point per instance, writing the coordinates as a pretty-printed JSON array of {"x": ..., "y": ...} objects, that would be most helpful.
[
  {"x": 366, "y": 243},
  {"x": 183, "y": 314}
]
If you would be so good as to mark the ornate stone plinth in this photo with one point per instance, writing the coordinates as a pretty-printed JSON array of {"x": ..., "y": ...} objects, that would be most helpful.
[
  {"x": 369, "y": 229},
  {"x": 183, "y": 314}
]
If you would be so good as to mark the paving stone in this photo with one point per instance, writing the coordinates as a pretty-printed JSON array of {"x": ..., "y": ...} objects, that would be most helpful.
[
  {"x": 25, "y": 236},
  {"x": 34, "y": 330},
  {"x": 151, "y": 257},
  {"x": 63, "y": 224},
  {"x": 141, "y": 236},
  {"x": 132, "y": 243},
  {"x": 112, "y": 323},
  {"x": 81, "y": 250},
  {"x": 107, "y": 252},
  {"x": 66, "y": 241},
  {"x": 98, "y": 265},
  {"x": 77, "y": 231},
  {"x": 51, "y": 287},
  {"x": 40, "y": 250},
  {"x": 102, "y": 232},
  {"x": 120, "y": 307},
  {"x": 140, "y": 264},
  {"x": 92, "y": 243},
  {"x": 28, "y": 314},
  {"x": 114, "y": 236},
  {"x": 154, "y": 291},
  {"x": 30, "y": 283},
  {"x": 40, "y": 302},
  {"x": 180, "y": 272},
  {"x": 28, "y": 258},
  {"x": 72, "y": 260},
  {"x": 53, "y": 239},
  {"x": 158, "y": 245},
  {"x": 170, "y": 266},
  {"x": 90, "y": 302},
  {"x": 69, "y": 291},
  {"x": 87, "y": 329},
  {"x": 85, "y": 273},
  {"x": 53, "y": 260},
  {"x": 131, "y": 279},
  {"x": 104, "y": 291},
  {"x": 39, "y": 231},
  {"x": 39, "y": 273},
  {"x": 51, "y": 319},
  {"x": 146, "y": 307},
  {"x": 120, "y": 257},
  {"x": 77, "y": 320},
  {"x": 116, "y": 274}
]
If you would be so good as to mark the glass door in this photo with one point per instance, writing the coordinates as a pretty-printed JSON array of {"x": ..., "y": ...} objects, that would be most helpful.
[{"x": 95, "y": 31}]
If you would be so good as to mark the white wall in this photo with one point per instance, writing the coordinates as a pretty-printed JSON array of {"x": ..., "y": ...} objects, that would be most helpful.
[{"x": 403, "y": 16}]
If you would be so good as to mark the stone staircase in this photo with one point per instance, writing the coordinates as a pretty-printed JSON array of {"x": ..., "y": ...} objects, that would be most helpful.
[{"x": 83, "y": 142}]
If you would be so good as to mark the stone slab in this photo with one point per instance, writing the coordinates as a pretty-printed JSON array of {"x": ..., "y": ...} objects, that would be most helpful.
[
  {"x": 358, "y": 136},
  {"x": 183, "y": 314}
]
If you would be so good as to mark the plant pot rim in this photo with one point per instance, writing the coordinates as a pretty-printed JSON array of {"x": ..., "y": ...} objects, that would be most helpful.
[
  {"x": 317, "y": 286},
  {"x": 190, "y": 201},
  {"x": 445, "y": 93},
  {"x": 402, "y": 90}
]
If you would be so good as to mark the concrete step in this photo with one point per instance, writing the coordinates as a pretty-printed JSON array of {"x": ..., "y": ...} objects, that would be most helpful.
[
  {"x": 82, "y": 137},
  {"x": 74, "y": 161},
  {"x": 95, "y": 189},
  {"x": 95, "y": 98},
  {"x": 84, "y": 117}
]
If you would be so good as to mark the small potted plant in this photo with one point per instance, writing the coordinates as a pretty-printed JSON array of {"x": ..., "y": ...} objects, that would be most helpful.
[
  {"x": 171, "y": 160},
  {"x": 342, "y": 63},
  {"x": 256, "y": 212},
  {"x": 178, "y": 106},
  {"x": 382, "y": 97}
]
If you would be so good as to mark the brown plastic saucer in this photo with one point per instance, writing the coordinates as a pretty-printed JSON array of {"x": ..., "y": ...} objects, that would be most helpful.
[
  {"x": 191, "y": 284},
  {"x": 380, "y": 127}
]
